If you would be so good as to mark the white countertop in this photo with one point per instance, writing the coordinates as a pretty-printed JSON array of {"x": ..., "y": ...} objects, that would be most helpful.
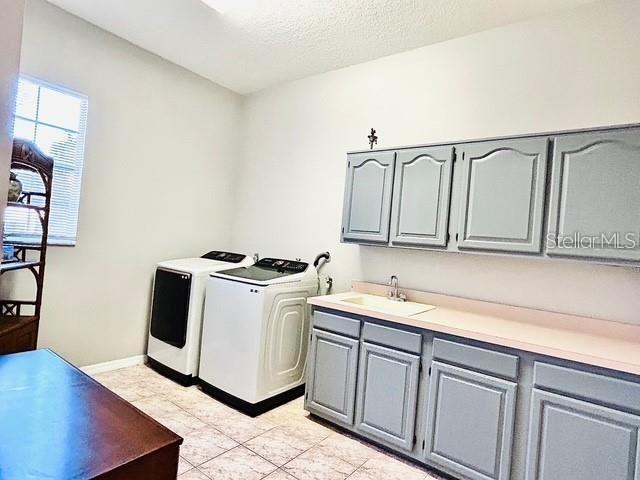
[{"x": 582, "y": 339}]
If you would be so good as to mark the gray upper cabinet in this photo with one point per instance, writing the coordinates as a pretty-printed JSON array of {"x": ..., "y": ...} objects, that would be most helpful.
[
  {"x": 470, "y": 422},
  {"x": 503, "y": 194},
  {"x": 421, "y": 194},
  {"x": 595, "y": 196},
  {"x": 387, "y": 395},
  {"x": 571, "y": 195},
  {"x": 331, "y": 380},
  {"x": 367, "y": 199},
  {"x": 571, "y": 439}
]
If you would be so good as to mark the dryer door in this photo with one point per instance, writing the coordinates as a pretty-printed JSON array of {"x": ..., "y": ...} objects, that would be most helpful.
[{"x": 170, "y": 309}]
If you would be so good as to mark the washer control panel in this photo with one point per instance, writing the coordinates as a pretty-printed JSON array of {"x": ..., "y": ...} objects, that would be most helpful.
[{"x": 282, "y": 265}]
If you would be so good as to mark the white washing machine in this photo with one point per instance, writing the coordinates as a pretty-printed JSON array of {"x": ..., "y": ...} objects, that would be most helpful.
[
  {"x": 256, "y": 333},
  {"x": 175, "y": 327}
]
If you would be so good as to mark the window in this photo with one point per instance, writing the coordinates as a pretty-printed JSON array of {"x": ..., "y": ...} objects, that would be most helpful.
[{"x": 55, "y": 119}]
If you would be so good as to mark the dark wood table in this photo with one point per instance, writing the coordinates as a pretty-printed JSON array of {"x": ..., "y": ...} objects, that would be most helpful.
[{"x": 58, "y": 423}]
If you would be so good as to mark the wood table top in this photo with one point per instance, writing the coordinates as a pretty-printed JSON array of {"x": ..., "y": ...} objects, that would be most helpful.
[{"x": 58, "y": 423}]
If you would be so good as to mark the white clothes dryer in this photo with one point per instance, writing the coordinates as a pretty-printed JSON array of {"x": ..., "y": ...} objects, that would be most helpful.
[{"x": 173, "y": 348}]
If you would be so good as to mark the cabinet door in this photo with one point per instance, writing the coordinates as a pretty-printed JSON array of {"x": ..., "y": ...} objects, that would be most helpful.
[
  {"x": 421, "y": 193},
  {"x": 595, "y": 196},
  {"x": 470, "y": 420},
  {"x": 331, "y": 384},
  {"x": 502, "y": 201},
  {"x": 574, "y": 440},
  {"x": 387, "y": 395},
  {"x": 367, "y": 199}
]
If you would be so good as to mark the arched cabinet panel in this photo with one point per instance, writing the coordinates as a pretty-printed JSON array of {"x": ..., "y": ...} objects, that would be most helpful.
[
  {"x": 595, "y": 196},
  {"x": 421, "y": 196},
  {"x": 367, "y": 202},
  {"x": 503, "y": 193}
]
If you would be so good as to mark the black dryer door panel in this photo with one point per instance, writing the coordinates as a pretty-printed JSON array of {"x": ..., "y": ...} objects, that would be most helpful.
[{"x": 170, "y": 308}]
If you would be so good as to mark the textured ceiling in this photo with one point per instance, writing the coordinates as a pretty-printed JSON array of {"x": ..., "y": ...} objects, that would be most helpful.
[{"x": 258, "y": 43}]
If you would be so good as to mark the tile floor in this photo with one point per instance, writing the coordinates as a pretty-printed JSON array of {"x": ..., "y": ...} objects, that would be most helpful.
[{"x": 223, "y": 444}]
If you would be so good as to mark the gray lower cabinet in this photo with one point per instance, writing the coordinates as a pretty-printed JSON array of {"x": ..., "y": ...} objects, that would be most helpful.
[
  {"x": 595, "y": 196},
  {"x": 421, "y": 195},
  {"x": 572, "y": 423},
  {"x": 470, "y": 422},
  {"x": 331, "y": 380},
  {"x": 571, "y": 439},
  {"x": 503, "y": 195},
  {"x": 387, "y": 395},
  {"x": 367, "y": 198}
]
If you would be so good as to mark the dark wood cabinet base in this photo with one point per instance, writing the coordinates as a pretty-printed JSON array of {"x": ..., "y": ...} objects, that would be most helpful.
[{"x": 18, "y": 334}]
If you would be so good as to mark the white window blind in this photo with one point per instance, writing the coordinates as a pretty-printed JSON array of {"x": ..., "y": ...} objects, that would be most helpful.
[{"x": 55, "y": 119}]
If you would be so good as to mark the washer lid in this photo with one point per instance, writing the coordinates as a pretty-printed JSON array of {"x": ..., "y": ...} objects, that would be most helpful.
[
  {"x": 266, "y": 270},
  {"x": 198, "y": 266}
]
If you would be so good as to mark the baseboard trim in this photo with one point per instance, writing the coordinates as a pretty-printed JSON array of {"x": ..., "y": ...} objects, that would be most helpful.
[{"x": 114, "y": 365}]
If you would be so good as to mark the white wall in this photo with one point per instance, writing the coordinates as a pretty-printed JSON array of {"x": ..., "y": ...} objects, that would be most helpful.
[
  {"x": 576, "y": 69},
  {"x": 161, "y": 179},
  {"x": 10, "y": 35},
  {"x": 160, "y": 151}
]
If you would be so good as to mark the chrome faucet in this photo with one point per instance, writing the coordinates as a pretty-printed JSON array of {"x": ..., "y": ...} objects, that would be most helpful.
[{"x": 394, "y": 294}]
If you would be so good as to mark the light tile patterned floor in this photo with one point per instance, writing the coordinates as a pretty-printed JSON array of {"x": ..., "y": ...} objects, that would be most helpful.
[{"x": 283, "y": 444}]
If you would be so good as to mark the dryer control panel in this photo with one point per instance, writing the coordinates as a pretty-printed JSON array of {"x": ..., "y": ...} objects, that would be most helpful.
[
  {"x": 281, "y": 265},
  {"x": 224, "y": 256}
]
